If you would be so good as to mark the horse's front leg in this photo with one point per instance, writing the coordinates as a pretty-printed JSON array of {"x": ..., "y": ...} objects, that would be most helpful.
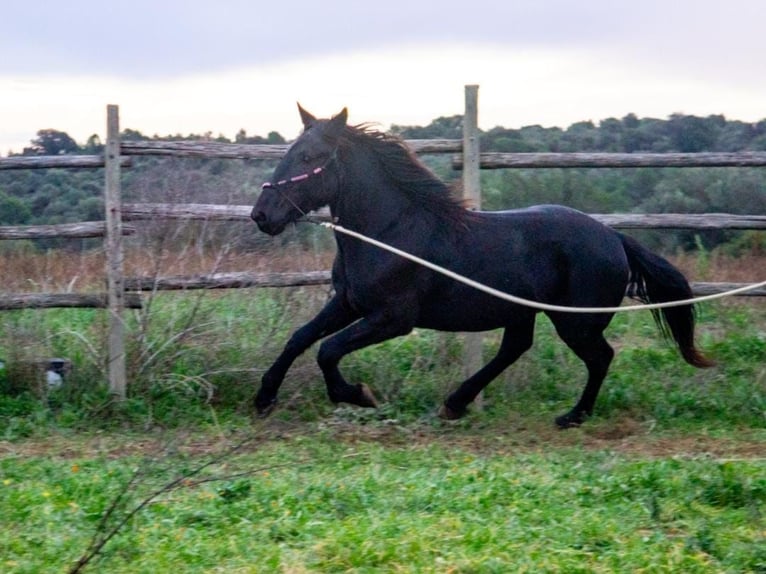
[
  {"x": 335, "y": 315},
  {"x": 378, "y": 327}
]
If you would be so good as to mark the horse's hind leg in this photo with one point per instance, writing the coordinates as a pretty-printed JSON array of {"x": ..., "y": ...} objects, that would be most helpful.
[
  {"x": 516, "y": 340},
  {"x": 586, "y": 339}
]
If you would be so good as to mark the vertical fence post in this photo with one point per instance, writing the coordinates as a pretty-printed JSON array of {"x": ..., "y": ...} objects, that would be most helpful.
[
  {"x": 114, "y": 256},
  {"x": 472, "y": 342}
]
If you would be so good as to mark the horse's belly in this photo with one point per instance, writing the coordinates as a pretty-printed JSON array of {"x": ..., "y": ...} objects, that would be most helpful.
[{"x": 464, "y": 317}]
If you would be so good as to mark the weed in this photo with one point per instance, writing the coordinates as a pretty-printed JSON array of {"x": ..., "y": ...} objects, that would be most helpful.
[{"x": 727, "y": 487}]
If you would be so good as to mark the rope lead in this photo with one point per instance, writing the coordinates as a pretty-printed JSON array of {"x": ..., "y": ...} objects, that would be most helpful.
[{"x": 526, "y": 302}]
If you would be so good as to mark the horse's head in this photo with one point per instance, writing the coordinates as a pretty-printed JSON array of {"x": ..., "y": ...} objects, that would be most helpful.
[{"x": 306, "y": 177}]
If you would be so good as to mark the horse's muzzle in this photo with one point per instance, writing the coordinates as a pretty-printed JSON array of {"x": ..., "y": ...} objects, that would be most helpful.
[
  {"x": 257, "y": 215},
  {"x": 264, "y": 224}
]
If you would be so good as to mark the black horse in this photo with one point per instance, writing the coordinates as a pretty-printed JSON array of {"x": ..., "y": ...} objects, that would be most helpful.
[{"x": 374, "y": 185}]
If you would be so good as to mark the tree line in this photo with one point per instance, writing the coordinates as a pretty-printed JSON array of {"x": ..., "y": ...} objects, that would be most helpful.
[
  {"x": 59, "y": 195},
  {"x": 639, "y": 190}
]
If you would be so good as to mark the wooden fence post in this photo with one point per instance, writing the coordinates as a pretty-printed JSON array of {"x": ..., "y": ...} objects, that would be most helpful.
[
  {"x": 472, "y": 342},
  {"x": 114, "y": 256}
]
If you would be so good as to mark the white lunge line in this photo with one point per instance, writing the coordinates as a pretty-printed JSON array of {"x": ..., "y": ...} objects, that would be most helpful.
[{"x": 526, "y": 302}]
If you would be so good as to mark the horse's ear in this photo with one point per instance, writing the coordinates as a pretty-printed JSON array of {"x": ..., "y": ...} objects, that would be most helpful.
[
  {"x": 337, "y": 124},
  {"x": 306, "y": 117}
]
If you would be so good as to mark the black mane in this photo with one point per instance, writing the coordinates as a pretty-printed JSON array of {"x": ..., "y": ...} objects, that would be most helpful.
[{"x": 408, "y": 172}]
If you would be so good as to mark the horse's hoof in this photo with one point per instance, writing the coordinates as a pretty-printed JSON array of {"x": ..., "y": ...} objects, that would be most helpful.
[
  {"x": 368, "y": 398},
  {"x": 449, "y": 414},
  {"x": 569, "y": 421},
  {"x": 264, "y": 411}
]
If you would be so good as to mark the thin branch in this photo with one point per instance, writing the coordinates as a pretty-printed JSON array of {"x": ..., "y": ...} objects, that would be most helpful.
[{"x": 102, "y": 536}]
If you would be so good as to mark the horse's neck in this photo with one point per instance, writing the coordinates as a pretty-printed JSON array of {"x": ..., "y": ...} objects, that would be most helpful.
[{"x": 369, "y": 204}]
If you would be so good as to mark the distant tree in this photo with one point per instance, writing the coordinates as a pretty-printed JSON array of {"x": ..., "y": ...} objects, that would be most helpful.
[
  {"x": 13, "y": 211},
  {"x": 93, "y": 146},
  {"x": 542, "y": 139},
  {"x": 272, "y": 138},
  {"x": 503, "y": 140},
  {"x": 132, "y": 135},
  {"x": 646, "y": 134},
  {"x": 691, "y": 134},
  {"x": 52, "y": 142},
  {"x": 734, "y": 136},
  {"x": 580, "y": 136},
  {"x": 610, "y": 135},
  {"x": 444, "y": 127},
  {"x": 631, "y": 122}
]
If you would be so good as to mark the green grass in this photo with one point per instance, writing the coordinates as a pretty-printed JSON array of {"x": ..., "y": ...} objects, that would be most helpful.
[
  {"x": 323, "y": 503},
  {"x": 668, "y": 476},
  {"x": 194, "y": 351}
]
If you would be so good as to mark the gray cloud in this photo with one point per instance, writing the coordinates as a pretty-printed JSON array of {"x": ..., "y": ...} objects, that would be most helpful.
[
  {"x": 716, "y": 41},
  {"x": 143, "y": 39},
  {"x": 593, "y": 58}
]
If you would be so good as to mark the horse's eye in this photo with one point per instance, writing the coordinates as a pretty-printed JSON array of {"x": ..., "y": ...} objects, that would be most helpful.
[{"x": 305, "y": 158}]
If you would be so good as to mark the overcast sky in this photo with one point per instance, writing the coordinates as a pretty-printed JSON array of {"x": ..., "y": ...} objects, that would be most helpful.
[{"x": 195, "y": 66}]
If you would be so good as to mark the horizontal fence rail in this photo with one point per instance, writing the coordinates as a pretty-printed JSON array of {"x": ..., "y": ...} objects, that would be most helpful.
[
  {"x": 496, "y": 160},
  {"x": 56, "y": 161},
  {"x": 185, "y": 211},
  {"x": 217, "y": 212},
  {"x": 203, "y": 149},
  {"x": 17, "y": 301},
  {"x": 487, "y": 160},
  {"x": 234, "y": 280},
  {"x": 230, "y": 280},
  {"x": 256, "y": 151},
  {"x": 700, "y": 289},
  {"x": 237, "y": 280},
  {"x": 82, "y": 230},
  {"x": 681, "y": 220}
]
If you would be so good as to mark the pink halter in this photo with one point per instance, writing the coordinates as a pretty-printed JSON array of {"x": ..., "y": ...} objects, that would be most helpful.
[{"x": 296, "y": 179}]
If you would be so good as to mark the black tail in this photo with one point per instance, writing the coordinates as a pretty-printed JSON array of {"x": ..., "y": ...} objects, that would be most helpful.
[{"x": 655, "y": 280}]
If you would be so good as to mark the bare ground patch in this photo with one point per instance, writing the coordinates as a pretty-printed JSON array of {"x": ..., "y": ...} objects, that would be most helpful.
[{"x": 625, "y": 436}]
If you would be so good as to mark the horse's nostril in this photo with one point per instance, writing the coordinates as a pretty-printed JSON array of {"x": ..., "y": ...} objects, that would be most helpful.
[{"x": 257, "y": 216}]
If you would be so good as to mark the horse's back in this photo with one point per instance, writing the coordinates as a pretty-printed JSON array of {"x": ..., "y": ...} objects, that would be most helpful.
[
  {"x": 548, "y": 253},
  {"x": 555, "y": 217},
  {"x": 559, "y": 229}
]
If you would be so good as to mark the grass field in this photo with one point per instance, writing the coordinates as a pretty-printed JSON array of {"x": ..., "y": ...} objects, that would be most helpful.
[
  {"x": 668, "y": 476},
  {"x": 345, "y": 497}
]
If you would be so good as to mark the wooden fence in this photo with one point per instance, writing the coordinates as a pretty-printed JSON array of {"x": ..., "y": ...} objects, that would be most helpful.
[{"x": 123, "y": 292}]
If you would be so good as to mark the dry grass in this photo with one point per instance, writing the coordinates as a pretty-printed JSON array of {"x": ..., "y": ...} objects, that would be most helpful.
[
  {"x": 66, "y": 271},
  {"x": 719, "y": 267}
]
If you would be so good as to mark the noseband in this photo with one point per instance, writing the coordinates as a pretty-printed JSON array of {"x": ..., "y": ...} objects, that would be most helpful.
[
  {"x": 279, "y": 185},
  {"x": 295, "y": 179},
  {"x": 302, "y": 176}
]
